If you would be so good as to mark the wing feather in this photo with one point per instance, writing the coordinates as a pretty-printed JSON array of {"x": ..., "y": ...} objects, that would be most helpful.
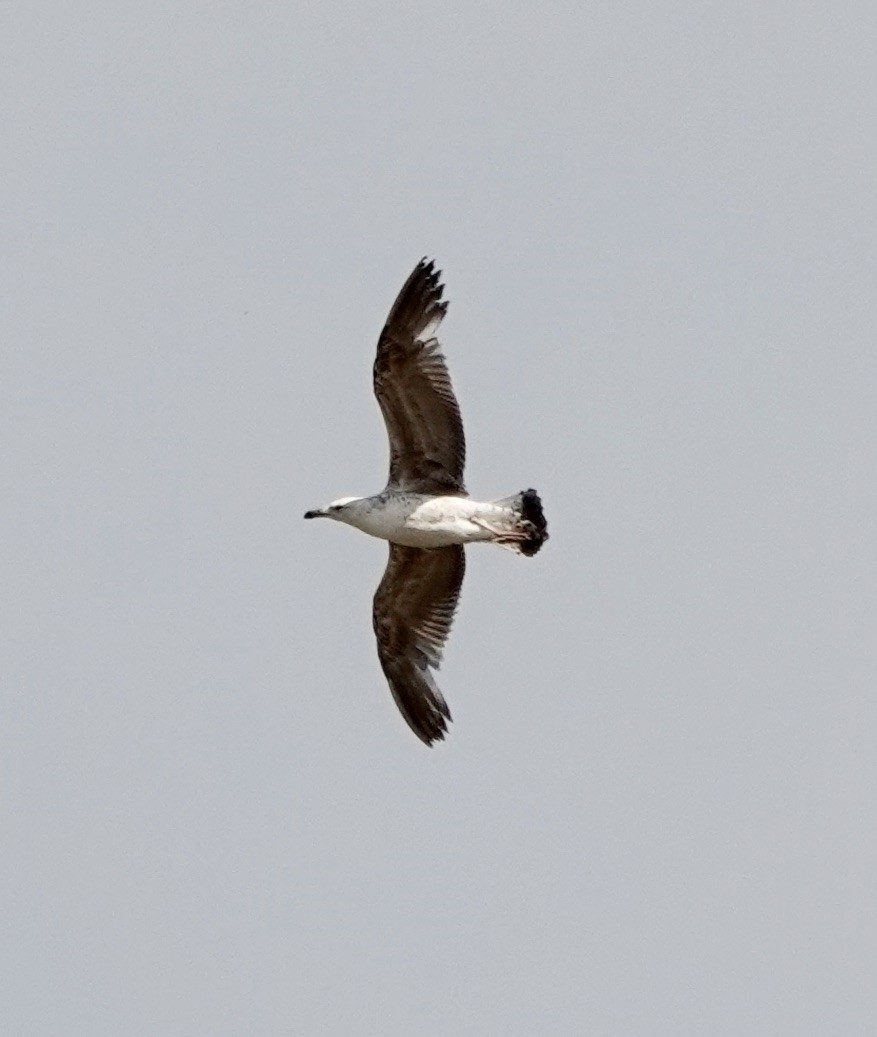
[
  {"x": 413, "y": 611},
  {"x": 415, "y": 394}
]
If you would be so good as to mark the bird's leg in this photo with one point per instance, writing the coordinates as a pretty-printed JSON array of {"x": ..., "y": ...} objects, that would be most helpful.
[{"x": 504, "y": 537}]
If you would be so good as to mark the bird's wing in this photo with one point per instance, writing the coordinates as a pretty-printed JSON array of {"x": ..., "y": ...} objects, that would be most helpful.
[
  {"x": 413, "y": 611},
  {"x": 413, "y": 387}
]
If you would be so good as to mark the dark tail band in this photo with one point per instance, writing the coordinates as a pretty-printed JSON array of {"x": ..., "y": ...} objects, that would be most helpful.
[{"x": 531, "y": 512}]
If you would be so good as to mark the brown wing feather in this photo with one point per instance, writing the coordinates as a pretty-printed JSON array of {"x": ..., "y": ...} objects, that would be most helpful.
[
  {"x": 413, "y": 610},
  {"x": 413, "y": 388}
]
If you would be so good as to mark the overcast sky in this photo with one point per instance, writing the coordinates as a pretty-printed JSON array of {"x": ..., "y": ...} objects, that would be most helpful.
[{"x": 655, "y": 811}]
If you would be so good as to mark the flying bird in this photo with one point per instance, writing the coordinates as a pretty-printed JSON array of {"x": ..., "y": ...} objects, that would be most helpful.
[{"x": 424, "y": 511}]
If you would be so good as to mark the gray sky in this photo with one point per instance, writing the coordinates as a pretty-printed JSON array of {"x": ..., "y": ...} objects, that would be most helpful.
[{"x": 655, "y": 813}]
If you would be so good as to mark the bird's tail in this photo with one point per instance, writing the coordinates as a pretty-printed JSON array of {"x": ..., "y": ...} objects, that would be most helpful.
[{"x": 524, "y": 528}]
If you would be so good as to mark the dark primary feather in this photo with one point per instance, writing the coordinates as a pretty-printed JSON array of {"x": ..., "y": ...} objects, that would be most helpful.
[
  {"x": 413, "y": 611},
  {"x": 413, "y": 388}
]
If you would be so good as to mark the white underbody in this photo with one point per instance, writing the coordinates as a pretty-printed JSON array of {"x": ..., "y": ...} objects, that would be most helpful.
[{"x": 415, "y": 520}]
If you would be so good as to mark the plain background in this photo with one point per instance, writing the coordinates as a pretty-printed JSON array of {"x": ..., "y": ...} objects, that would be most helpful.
[{"x": 655, "y": 812}]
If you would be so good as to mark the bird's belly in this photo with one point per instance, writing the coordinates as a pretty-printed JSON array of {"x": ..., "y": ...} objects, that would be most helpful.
[
  {"x": 442, "y": 521},
  {"x": 409, "y": 536}
]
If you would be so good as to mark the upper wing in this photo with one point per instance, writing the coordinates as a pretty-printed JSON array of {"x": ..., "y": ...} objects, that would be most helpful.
[
  {"x": 427, "y": 447},
  {"x": 413, "y": 611}
]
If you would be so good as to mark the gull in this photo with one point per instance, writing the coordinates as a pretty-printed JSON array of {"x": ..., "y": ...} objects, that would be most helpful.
[{"x": 424, "y": 511}]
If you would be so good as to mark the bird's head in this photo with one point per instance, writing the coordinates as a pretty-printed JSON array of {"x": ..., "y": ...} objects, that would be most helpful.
[{"x": 337, "y": 510}]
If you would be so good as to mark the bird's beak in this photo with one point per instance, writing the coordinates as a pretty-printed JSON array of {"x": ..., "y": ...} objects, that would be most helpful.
[{"x": 317, "y": 513}]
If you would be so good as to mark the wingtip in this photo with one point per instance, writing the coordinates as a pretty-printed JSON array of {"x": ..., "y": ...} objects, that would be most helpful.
[
  {"x": 432, "y": 273},
  {"x": 429, "y": 740},
  {"x": 431, "y": 725},
  {"x": 419, "y": 305}
]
